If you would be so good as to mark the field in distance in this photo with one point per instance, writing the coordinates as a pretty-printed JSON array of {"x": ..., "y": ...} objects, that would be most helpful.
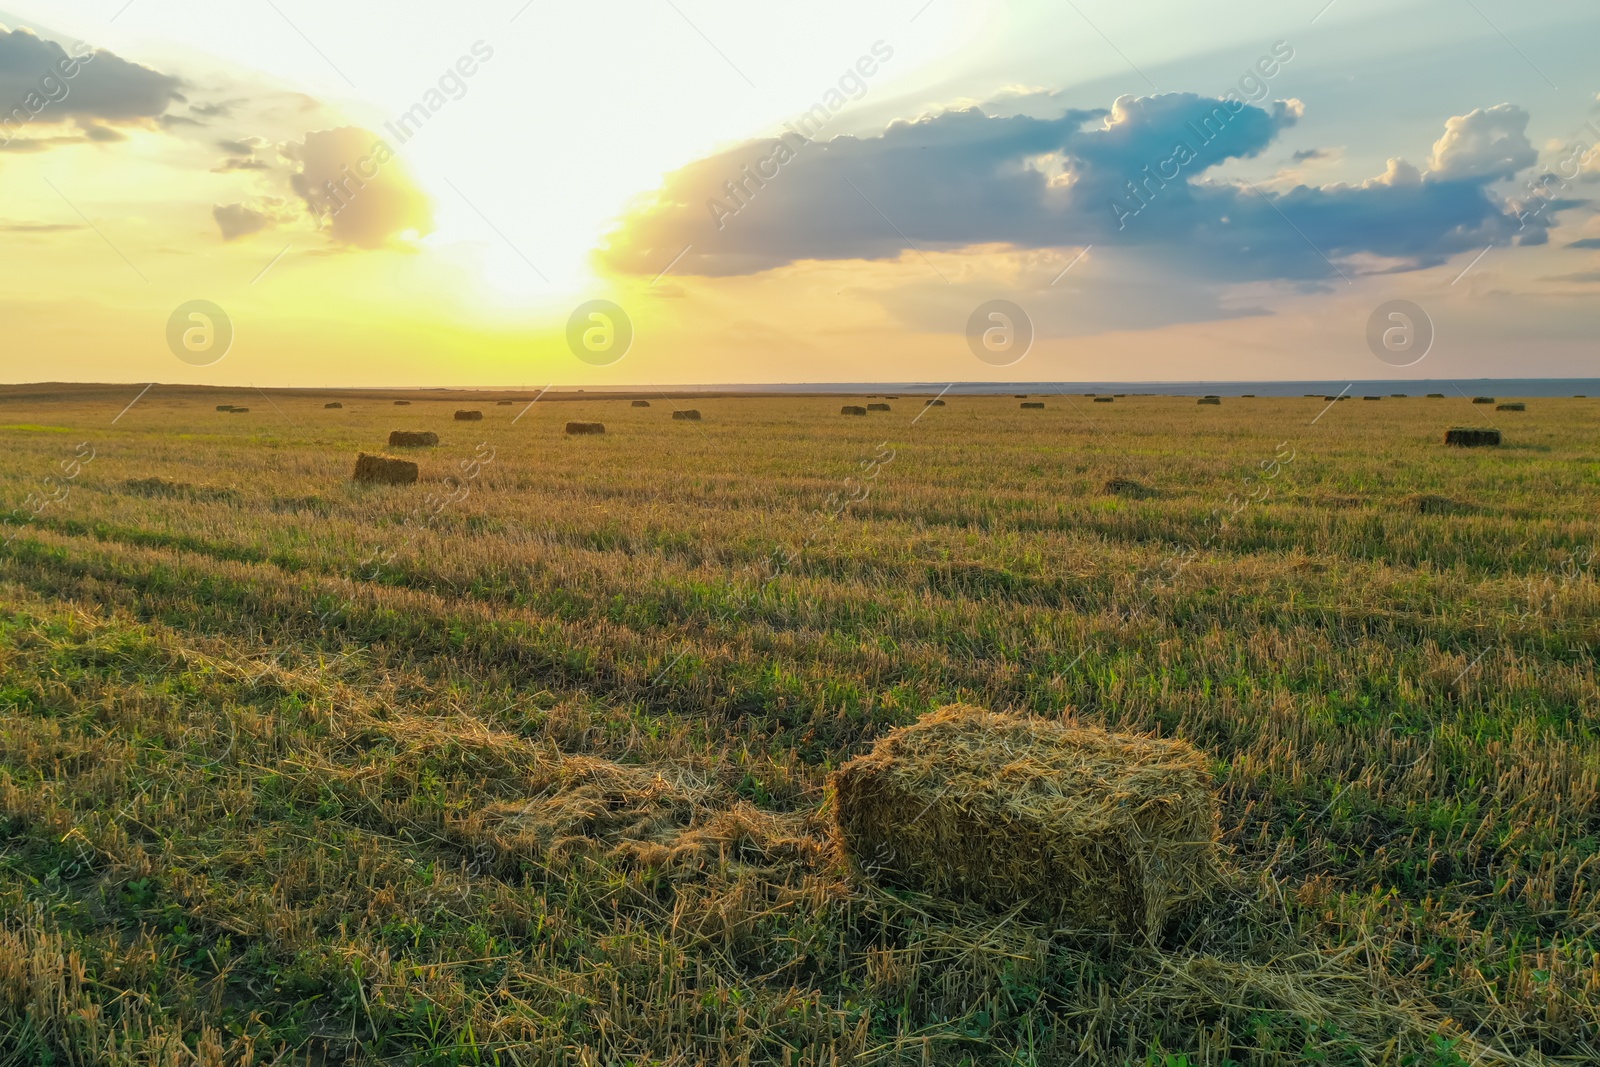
[{"x": 525, "y": 762}]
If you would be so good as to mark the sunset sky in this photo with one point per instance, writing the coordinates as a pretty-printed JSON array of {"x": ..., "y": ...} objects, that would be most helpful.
[{"x": 1169, "y": 190}]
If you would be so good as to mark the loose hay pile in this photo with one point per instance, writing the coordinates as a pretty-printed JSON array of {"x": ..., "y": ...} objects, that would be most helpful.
[
  {"x": 1099, "y": 830},
  {"x": 412, "y": 438},
  {"x": 469, "y": 416},
  {"x": 384, "y": 470},
  {"x": 852, "y": 409},
  {"x": 691, "y": 414},
  {"x": 1469, "y": 437},
  {"x": 577, "y": 428}
]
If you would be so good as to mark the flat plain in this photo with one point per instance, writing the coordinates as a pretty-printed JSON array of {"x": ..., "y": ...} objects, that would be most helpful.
[{"x": 526, "y": 762}]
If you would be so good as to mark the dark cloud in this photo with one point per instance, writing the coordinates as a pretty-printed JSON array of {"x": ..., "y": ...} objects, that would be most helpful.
[
  {"x": 1309, "y": 154},
  {"x": 242, "y": 220},
  {"x": 42, "y": 82},
  {"x": 1587, "y": 242},
  {"x": 243, "y": 155},
  {"x": 1132, "y": 178}
]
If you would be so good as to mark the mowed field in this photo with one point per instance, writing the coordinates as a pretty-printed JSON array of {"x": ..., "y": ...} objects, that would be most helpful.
[{"x": 526, "y": 763}]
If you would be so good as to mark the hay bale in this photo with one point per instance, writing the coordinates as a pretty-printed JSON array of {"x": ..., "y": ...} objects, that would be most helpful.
[
  {"x": 224, "y": 407},
  {"x": 503, "y": 403},
  {"x": 401, "y": 403},
  {"x": 1209, "y": 400},
  {"x": 641, "y": 403},
  {"x": 469, "y": 416},
  {"x": 1249, "y": 396},
  {"x": 1033, "y": 405},
  {"x": 933, "y": 403},
  {"x": 878, "y": 407},
  {"x": 333, "y": 404},
  {"x": 1103, "y": 831},
  {"x": 1397, "y": 396},
  {"x": 412, "y": 438},
  {"x": 240, "y": 411},
  {"x": 384, "y": 470},
  {"x": 1330, "y": 399},
  {"x": 891, "y": 396},
  {"x": 576, "y": 428},
  {"x": 1483, "y": 400},
  {"x": 1372, "y": 398},
  {"x": 852, "y": 409},
  {"x": 1105, "y": 400},
  {"x": 1019, "y": 396},
  {"x": 1468, "y": 437},
  {"x": 1435, "y": 396},
  {"x": 1515, "y": 405},
  {"x": 691, "y": 414}
]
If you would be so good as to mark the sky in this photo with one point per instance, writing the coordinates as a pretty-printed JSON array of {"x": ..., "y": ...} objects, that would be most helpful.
[{"x": 683, "y": 192}]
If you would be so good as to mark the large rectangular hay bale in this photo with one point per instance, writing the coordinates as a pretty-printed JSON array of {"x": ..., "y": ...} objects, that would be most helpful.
[
  {"x": 878, "y": 407},
  {"x": 689, "y": 414},
  {"x": 1209, "y": 400},
  {"x": 852, "y": 409},
  {"x": 641, "y": 403},
  {"x": 1109, "y": 832},
  {"x": 1033, "y": 405},
  {"x": 1470, "y": 437},
  {"x": 469, "y": 416},
  {"x": 1514, "y": 405},
  {"x": 384, "y": 470},
  {"x": 412, "y": 438},
  {"x": 577, "y": 428}
]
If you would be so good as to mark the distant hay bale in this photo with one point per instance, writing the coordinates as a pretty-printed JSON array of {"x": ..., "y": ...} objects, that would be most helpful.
[
  {"x": 933, "y": 404},
  {"x": 1580, "y": 396},
  {"x": 469, "y": 416},
  {"x": 224, "y": 407},
  {"x": 1330, "y": 399},
  {"x": 1372, "y": 398},
  {"x": 1108, "y": 832},
  {"x": 1105, "y": 400},
  {"x": 1468, "y": 437},
  {"x": 240, "y": 411},
  {"x": 1119, "y": 395},
  {"x": 691, "y": 414},
  {"x": 1397, "y": 396},
  {"x": 503, "y": 403},
  {"x": 641, "y": 403},
  {"x": 577, "y": 428},
  {"x": 1247, "y": 396},
  {"x": 1019, "y": 396},
  {"x": 1129, "y": 487},
  {"x": 878, "y": 407},
  {"x": 412, "y": 438},
  {"x": 852, "y": 409},
  {"x": 891, "y": 398},
  {"x": 1483, "y": 400},
  {"x": 1515, "y": 405},
  {"x": 401, "y": 403},
  {"x": 1033, "y": 405},
  {"x": 1435, "y": 396},
  {"x": 333, "y": 404},
  {"x": 384, "y": 470},
  {"x": 1209, "y": 400}
]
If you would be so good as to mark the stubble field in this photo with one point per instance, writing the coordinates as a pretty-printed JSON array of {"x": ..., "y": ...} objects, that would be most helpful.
[{"x": 526, "y": 763}]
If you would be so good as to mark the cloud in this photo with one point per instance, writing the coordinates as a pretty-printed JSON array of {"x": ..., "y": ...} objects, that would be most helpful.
[
  {"x": 1133, "y": 178},
  {"x": 242, "y": 220},
  {"x": 39, "y": 227},
  {"x": 1311, "y": 154},
  {"x": 349, "y": 179},
  {"x": 243, "y": 155},
  {"x": 1482, "y": 145},
  {"x": 1587, "y": 242},
  {"x": 41, "y": 82}
]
